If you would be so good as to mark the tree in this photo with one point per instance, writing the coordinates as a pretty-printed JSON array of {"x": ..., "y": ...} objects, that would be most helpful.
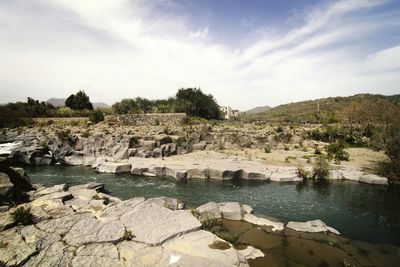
[
  {"x": 79, "y": 101},
  {"x": 194, "y": 102}
]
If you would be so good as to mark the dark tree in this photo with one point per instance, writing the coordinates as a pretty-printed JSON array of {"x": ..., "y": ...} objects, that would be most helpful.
[
  {"x": 79, "y": 101},
  {"x": 194, "y": 102}
]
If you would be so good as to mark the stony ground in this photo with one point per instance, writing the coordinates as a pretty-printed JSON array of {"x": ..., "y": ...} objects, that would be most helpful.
[
  {"x": 203, "y": 150},
  {"x": 80, "y": 226}
]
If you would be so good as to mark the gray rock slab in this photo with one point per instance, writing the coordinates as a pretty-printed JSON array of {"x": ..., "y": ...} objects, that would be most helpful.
[
  {"x": 14, "y": 250},
  {"x": 95, "y": 255},
  {"x": 276, "y": 226},
  {"x": 231, "y": 210},
  {"x": 373, "y": 179},
  {"x": 311, "y": 227},
  {"x": 209, "y": 210},
  {"x": 153, "y": 224},
  {"x": 193, "y": 249},
  {"x": 114, "y": 167},
  {"x": 91, "y": 230}
]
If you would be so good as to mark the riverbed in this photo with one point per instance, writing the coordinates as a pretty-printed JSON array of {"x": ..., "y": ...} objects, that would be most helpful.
[{"x": 359, "y": 211}]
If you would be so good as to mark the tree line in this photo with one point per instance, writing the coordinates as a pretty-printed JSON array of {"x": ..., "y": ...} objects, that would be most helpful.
[{"x": 191, "y": 101}]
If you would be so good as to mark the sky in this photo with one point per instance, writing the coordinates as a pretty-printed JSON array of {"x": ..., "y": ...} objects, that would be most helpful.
[{"x": 245, "y": 53}]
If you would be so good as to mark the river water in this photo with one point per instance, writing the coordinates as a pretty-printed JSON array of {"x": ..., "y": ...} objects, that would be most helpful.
[{"x": 359, "y": 211}]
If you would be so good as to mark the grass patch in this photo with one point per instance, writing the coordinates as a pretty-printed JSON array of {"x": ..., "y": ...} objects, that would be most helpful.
[
  {"x": 22, "y": 216},
  {"x": 216, "y": 227}
]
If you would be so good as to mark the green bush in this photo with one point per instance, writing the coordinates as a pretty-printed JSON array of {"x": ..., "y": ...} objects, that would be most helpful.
[
  {"x": 302, "y": 173},
  {"x": 96, "y": 116},
  {"x": 133, "y": 142},
  {"x": 388, "y": 139},
  {"x": 64, "y": 135},
  {"x": 216, "y": 227},
  {"x": 268, "y": 148},
  {"x": 321, "y": 168},
  {"x": 22, "y": 216},
  {"x": 336, "y": 151},
  {"x": 64, "y": 112}
]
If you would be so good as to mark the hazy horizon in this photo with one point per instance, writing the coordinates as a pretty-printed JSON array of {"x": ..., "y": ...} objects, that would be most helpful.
[{"x": 246, "y": 54}]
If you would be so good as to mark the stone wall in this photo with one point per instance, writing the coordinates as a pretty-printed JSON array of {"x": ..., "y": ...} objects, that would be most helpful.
[{"x": 147, "y": 119}]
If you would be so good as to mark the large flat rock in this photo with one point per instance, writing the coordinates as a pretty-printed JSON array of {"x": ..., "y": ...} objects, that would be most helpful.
[
  {"x": 114, "y": 167},
  {"x": 196, "y": 249},
  {"x": 153, "y": 224},
  {"x": 315, "y": 226},
  {"x": 276, "y": 226},
  {"x": 91, "y": 230}
]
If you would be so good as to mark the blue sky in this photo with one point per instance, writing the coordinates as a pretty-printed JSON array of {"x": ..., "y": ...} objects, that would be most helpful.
[{"x": 246, "y": 53}]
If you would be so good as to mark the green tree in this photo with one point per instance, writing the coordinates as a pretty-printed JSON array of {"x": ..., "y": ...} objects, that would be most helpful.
[
  {"x": 194, "y": 102},
  {"x": 79, "y": 101}
]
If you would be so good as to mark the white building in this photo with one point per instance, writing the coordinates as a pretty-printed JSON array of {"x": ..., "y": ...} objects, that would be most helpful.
[{"x": 228, "y": 113}]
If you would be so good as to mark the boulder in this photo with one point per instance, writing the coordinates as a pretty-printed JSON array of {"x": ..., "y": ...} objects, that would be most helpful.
[
  {"x": 209, "y": 210},
  {"x": 285, "y": 174},
  {"x": 199, "y": 146},
  {"x": 147, "y": 145},
  {"x": 55, "y": 254},
  {"x": 175, "y": 172},
  {"x": 198, "y": 172},
  {"x": 6, "y": 186},
  {"x": 223, "y": 174},
  {"x": 253, "y": 175},
  {"x": 94, "y": 255},
  {"x": 231, "y": 210},
  {"x": 114, "y": 167},
  {"x": 152, "y": 224},
  {"x": 196, "y": 249},
  {"x": 311, "y": 227},
  {"x": 276, "y": 226},
  {"x": 167, "y": 202},
  {"x": 373, "y": 179},
  {"x": 18, "y": 251},
  {"x": 247, "y": 208},
  {"x": 90, "y": 230},
  {"x": 141, "y": 255}
]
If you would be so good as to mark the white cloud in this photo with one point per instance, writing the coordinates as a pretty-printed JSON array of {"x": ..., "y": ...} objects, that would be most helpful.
[{"x": 116, "y": 49}]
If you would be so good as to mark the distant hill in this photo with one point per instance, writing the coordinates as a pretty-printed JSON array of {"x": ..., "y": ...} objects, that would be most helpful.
[
  {"x": 60, "y": 102},
  {"x": 57, "y": 102},
  {"x": 332, "y": 106},
  {"x": 258, "y": 110}
]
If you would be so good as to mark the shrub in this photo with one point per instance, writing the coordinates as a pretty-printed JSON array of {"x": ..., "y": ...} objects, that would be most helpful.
[
  {"x": 283, "y": 137},
  {"x": 268, "y": 148},
  {"x": 86, "y": 134},
  {"x": 302, "y": 173},
  {"x": 96, "y": 116},
  {"x": 321, "y": 168},
  {"x": 279, "y": 129},
  {"x": 64, "y": 112},
  {"x": 388, "y": 139},
  {"x": 64, "y": 135},
  {"x": 128, "y": 235},
  {"x": 216, "y": 227},
  {"x": 166, "y": 140},
  {"x": 336, "y": 151},
  {"x": 22, "y": 216},
  {"x": 133, "y": 142}
]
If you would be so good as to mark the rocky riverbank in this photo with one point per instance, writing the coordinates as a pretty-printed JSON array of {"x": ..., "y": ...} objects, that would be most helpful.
[
  {"x": 202, "y": 151},
  {"x": 84, "y": 225}
]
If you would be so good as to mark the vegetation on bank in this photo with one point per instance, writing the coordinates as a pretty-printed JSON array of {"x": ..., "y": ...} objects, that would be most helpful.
[{"x": 191, "y": 101}]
